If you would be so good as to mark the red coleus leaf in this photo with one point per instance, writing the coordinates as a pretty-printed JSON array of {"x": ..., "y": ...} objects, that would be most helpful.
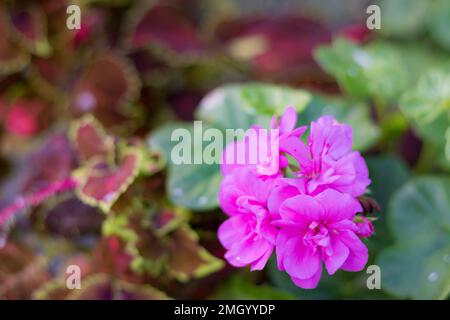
[
  {"x": 277, "y": 47},
  {"x": 111, "y": 258},
  {"x": 101, "y": 184},
  {"x": 103, "y": 287},
  {"x": 166, "y": 27},
  {"x": 49, "y": 76},
  {"x": 12, "y": 58},
  {"x": 45, "y": 173},
  {"x": 91, "y": 140},
  {"x": 21, "y": 272},
  {"x": 106, "y": 85},
  {"x": 52, "y": 162},
  {"x": 29, "y": 28},
  {"x": 71, "y": 218},
  {"x": 99, "y": 286},
  {"x": 163, "y": 244}
]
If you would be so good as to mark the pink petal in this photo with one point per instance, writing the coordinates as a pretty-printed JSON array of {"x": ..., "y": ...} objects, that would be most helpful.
[
  {"x": 279, "y": 195},
  {"x": 288, "y": 120},
  {"x": 338, "y": 206},
  {"x": 282, "y": 238},
  {"x": 310, "y": 283},
  {"x": 228, "y": 195},
  {"x": 300, "y": 261},
  {"x": 247, "y": 251},
  {"x": 233, "y": 230},
  {"x": 253, "y": 185},
  {"x": 339, "y": 254},
  {"x": 358, "y": 254},
  {"x": 261, "y": 262},
  {"x": 296, "y": 148},
  {"x": 301, "y": 209}
]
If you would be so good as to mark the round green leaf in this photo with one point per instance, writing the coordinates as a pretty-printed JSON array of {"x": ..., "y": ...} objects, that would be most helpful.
[
  {"x": 418, "y": 266},
  {"x": 194, "y": 186},
  {"x": 439, "y": 22},
  {"x": 413, "y": 15},
  {"x": 241, "y": 106}
]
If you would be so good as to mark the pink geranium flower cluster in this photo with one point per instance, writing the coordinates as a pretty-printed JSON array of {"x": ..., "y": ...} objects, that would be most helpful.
[{"x": 306, "y": 212}]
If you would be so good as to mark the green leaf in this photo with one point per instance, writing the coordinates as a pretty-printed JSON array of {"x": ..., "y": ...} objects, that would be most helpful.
[
  {"x": 242, "y": 105},
  {"x": 386, "y": 71},
  {"x": 159, "y": 140},
  {"x": 240, "y": 288},
  {"x": 403, "y": 18},
  {"x": 418, "y": 265},
  {"x": 427, "y": 105},
  {"x": 447, "y": 144},
  {"x": 268, "y": 99},
  {"x": 388, "y": 173},
  {"x": 418, "y": 272},
  {"x": 356, "y": 114},
  {"x": 429, "y": 99},
  {"x": 439, "y": 22},
  {"x": 193, "y": 186},
  {"x": 340, "y": 60},
  {"x": 376, "y": 70}
]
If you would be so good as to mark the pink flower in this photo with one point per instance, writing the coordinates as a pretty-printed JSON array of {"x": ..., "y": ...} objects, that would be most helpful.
[
  {"x": 364, "y": 227},
  {"x": 308, "y": 218},
  {"x": 247, "y": 234},
  {"x": 265, "y": 160},
  {"x": 315, "y": 230},
  {"x": 327, "y": 161}
]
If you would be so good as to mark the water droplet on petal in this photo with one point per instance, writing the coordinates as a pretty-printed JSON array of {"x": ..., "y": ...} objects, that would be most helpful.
[
  {"x": 238, "y": 258},
  {"x": 432, "y": 277}
]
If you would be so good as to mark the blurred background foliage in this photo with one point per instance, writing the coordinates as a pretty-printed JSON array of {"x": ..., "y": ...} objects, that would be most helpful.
[{"x": 98, "y": 105}]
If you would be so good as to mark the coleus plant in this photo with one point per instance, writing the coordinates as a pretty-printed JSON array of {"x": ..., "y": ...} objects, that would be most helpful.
[
  {"x": 112, "y": 175},
  {"x": 158, "y": 238},
  {"x": 134, "y": 68}
]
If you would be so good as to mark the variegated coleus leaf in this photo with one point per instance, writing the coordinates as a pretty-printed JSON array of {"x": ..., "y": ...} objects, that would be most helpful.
[
  {"x": 164, "y": 28},
  {"x": 91, "y": 141},
  {"x": 162, "y": 244},
  {"x": 108, "y": 167},
  {"x": 12, "y": 57},
  {"x": 71, "y": 218},
  {"x": 100, "y": 183},
  {"x": 99, "y": 286},
  {"x": 43, "y": 174},
  {"x": 106, "y": 86},
  {"x": 29, "y": 27},
  {"x": 21, "y": 272}
]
